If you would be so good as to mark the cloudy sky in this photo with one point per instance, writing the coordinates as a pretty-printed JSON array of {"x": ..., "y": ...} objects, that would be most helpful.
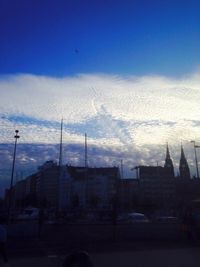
[{"x": 125, "y": 72}]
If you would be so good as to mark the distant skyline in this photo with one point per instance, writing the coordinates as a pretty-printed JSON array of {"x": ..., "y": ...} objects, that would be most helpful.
[{"x": 125, "y": 72}]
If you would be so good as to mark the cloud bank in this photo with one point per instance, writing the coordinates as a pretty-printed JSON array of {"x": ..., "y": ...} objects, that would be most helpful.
[{"x": 133, "y": 117}]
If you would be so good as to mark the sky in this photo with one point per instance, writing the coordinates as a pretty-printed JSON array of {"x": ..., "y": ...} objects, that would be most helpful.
[
  {"x": 111, "y": 36},
  {"x": 125, "y": 72}
]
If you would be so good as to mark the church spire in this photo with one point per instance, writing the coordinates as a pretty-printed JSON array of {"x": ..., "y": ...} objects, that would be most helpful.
[
  {"x": 167, "y": 152},
  {"x": 183, "y": 166},
  {"x": 169, "y": 167}
]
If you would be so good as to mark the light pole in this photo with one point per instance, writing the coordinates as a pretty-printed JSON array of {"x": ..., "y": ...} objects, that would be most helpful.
[
  {"x": 195, "y": 153},
  {"x": 12, "y": 174}
]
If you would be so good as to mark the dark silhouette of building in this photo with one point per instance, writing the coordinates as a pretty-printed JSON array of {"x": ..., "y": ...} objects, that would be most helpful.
[
  {"x": 128, "y": 194},
  {"x": 183, "y": 166},
  {"x": 157, "y": 186},
  {"x": 93, "y": 187},
  {"x": 68, "y": 187},
  {"x": 169, "y": 167}
]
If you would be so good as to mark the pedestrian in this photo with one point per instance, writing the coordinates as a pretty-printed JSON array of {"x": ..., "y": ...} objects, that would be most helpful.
[
  {"x": 3, "y": 240},
  {"x": 78, "y": 259}
]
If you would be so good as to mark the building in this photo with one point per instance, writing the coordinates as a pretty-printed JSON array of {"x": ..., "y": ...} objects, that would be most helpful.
[
  {"x": 156, "y": 188},
  {"x": 168, "y": 167},
  {"x": 19, "y": 193},
  {"x": 157, "y": 184},
  {"x": 52, "y": 185},
  {"x": 183, "y": 166},
  {"x": 160, "y": 188},
  {"x": 74, "y": 187},
  {"x": 31, "y": 182},
  {"x": 128, "y": 192},
  {"x": 93, "y": 187},
  {"x": 66, "y": 187}
]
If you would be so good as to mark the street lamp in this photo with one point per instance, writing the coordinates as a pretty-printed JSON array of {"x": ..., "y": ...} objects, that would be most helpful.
[
  {"x": 12, "y": 174},
  {"x": 195, "y": 152}
]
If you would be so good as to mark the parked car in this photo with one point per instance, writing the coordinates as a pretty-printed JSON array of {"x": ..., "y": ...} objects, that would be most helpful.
[{"x": 133, "y": 217}]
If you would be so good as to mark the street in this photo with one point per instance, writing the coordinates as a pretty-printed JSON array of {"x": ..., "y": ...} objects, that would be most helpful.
[
  {"x": 123, "y": 245},
  {"x": 179, "y": 257}
]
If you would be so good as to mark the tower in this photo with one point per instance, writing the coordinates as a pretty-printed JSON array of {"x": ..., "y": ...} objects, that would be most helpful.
[
  {"x": 169, "y": 167},
  {"x": 183, "y": 166}
]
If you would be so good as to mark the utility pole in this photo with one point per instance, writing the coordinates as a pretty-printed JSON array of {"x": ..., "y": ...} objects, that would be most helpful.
[
  {"x": 122, "y": 169},
  {"x": 61, "y": 171},
  {"x": 86, "y": 174},
  {"x": 61, "y": 135},
  {"x": 12, "y": 175},
  {"x": 86, "y": 160}
]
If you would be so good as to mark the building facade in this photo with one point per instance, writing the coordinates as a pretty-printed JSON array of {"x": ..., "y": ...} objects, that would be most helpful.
[
  {"x": 93, "y": 187},
  {"x": 128, "y": 192}
]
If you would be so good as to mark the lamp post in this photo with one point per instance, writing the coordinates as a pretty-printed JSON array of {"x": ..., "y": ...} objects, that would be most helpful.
[
  {"x": 195, "y": 153},
  {"x": 12, "y": 174}
]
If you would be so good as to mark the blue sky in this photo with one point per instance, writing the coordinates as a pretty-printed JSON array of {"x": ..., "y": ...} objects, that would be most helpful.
[
  {"x": 121, "y": 37},
  {"x": 125, "y": 72}
]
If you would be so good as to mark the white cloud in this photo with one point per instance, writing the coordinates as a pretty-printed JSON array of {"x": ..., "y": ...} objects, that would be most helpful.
[{"x": 108, "y": 99}]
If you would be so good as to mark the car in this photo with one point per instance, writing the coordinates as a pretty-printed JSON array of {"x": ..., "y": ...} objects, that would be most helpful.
[{"x": 133, "y": 217}]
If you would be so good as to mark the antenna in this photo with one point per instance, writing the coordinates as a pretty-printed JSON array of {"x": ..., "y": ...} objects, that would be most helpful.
[
  {"x": 86, "y": 171},
  {"x": 86, "y": 163},
  {"x": 122, "y": 169},
  {"x": 61, "y": 130},
  {"x": 157, "y": 171}
]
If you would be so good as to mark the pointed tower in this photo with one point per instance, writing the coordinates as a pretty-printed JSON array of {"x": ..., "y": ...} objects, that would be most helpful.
[
  {"x": 169, "y": 167},
  {"x": 183, "y": 166}
]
